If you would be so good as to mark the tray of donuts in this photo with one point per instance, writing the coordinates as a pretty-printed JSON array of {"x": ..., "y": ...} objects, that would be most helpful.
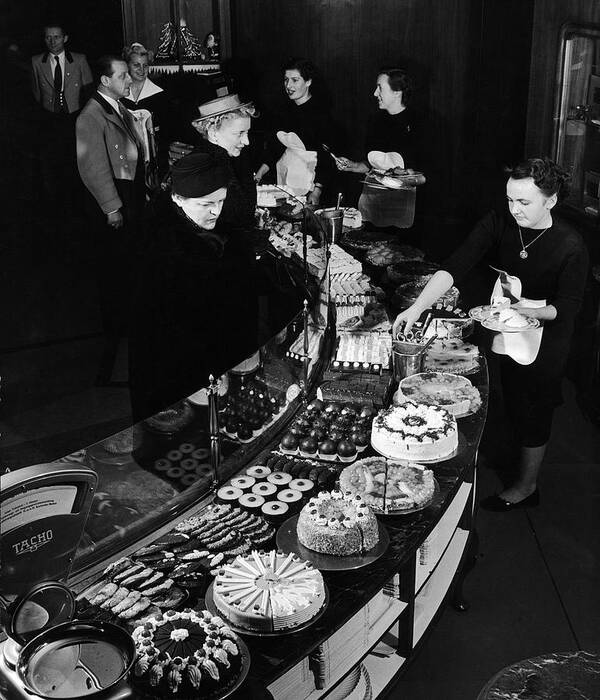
[
  {"x": 183, "y": 465},
  {"x": 280, "y": 488}
]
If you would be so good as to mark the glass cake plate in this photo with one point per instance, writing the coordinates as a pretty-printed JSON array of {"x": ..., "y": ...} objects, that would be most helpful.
[
  {"x": 212, "y": 608},
  {"x": 501, "y": 327},
  {"x": 461, "y": 445},
  {"x": 416, "y": 509},
  {"x": 287, "y": 541}
]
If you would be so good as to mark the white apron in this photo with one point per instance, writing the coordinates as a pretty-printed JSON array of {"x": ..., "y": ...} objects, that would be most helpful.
[{"x": 522, "y": 347}]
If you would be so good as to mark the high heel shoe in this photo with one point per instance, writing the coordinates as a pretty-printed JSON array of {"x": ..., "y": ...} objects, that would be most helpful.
[{"x": 498, "y": 504}]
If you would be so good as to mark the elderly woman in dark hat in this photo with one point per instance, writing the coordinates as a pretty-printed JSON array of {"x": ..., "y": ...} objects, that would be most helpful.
[{"x": 191, "y": 317}]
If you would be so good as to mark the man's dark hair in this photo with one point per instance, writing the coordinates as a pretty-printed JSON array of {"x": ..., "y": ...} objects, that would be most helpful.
[
  {"x": 104, "y": 65},
  {"x": 58, "y": 25}
]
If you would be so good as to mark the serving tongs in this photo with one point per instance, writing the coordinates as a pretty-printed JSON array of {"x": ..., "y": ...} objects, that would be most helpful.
[
  {"x": 338, "y": 161},
  {"x": 417, "y": 336}
]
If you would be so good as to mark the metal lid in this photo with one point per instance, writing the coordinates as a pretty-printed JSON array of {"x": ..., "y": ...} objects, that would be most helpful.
[{"x": 46, "y": 605}]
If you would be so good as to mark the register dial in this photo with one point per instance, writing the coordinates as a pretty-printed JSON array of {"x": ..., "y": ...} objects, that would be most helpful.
[{"x": 43, "y": 511}]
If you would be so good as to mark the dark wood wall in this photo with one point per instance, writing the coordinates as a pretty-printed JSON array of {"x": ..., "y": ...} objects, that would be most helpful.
[
  {"x": 549, "y": 17},
  {"x": 471, "y": 80}
]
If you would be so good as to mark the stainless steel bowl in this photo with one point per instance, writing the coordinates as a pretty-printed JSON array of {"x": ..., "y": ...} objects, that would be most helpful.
[{"x": 77, "y": 660}]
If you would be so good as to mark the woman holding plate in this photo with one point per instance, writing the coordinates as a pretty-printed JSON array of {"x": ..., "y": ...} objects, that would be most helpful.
[
  {"x": 542, "y": 266},
  {"x": 391, "y": 129},
  {"x": 390, "y": 149}
]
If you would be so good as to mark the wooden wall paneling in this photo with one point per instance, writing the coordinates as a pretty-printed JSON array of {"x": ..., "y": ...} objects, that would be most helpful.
[{"x": 455, "y": 50}]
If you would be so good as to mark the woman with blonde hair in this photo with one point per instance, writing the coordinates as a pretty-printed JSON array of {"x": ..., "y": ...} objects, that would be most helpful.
[
  {"x": 224, "y": 125},
  {"x": 147, "y": 95}
]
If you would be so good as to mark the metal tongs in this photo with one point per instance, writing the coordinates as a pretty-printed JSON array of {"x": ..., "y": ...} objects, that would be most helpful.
[
  {"x": 339, "y": 161},
  {"x": 419, "y": 334}
]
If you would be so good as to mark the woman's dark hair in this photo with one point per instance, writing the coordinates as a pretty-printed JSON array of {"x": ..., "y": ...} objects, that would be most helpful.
[
  {"x": 306, "y": 68},
  {"x": 549, "y": 177},
  {"x": 399, "y": 81}
]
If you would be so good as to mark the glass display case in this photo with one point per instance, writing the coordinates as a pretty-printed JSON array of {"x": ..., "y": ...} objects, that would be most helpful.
[
  {"x": 577, "y": 114},
  {"x": 153, "y": 471},
  {"x": 185, "y": 35}
]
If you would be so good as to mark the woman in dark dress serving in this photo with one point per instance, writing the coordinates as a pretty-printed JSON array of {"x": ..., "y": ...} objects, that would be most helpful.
[
  {"x": 308, "y": 117},
  {"x": 392, "y": 128},
  {"x": 542, "y": 264},
  {"x": 188, "y": 314}
]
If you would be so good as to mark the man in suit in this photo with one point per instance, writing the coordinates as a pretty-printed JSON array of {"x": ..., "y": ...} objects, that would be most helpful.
[
  {"x": 60, "y": 78},
  {"x": 111, "y": 166},
  {"x": 61, "y": 81}
]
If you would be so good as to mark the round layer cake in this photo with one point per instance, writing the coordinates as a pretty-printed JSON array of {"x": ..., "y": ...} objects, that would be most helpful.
[
  {"x": 450, "y": 391},
  {"x": 384, "y": 254},
  {"x": 452, "y": 355},
  {"x": 338, "y": 524},
  {"x": 389, "y": 485},
  {"x": 415, "y": 432},
  {"x": 185, "y": 654},
  {"x": 268, "y": 591}
]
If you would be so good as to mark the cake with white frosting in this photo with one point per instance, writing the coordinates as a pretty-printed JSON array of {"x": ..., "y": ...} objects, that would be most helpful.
[
  {"x": 268, "y": 591},
  {"x": 415, "y": 432},
  {"x": 450, "y": 391},
  {"x": 187, "y": 654},
  {"x": 511, "y": 318},
  {"x": 337, "y": 523}
]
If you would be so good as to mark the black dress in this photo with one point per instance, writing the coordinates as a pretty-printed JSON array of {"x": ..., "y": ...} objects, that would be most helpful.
[
  {"x": 393, "y": 133},
  {"x": 555, "y": 270},
  {"x": 191, "y": 316},
  {"x": 312, "y": 122}
]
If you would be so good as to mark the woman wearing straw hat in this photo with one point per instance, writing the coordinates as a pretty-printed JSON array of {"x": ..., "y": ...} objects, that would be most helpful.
[{"x": 224, "y": 124}]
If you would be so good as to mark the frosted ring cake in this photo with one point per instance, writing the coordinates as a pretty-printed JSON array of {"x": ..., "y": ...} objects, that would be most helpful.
[
  {"x": 415, "y": 432},
  {"x": 337, "y": 524},
  {"x": 268, "y": 591}
]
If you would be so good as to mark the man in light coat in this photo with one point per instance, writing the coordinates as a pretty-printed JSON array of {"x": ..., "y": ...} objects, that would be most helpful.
[{"x": 111, "y": 166}]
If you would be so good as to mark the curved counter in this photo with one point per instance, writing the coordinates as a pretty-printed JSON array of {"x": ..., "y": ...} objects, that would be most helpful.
[{"x": 388, "y": 605}]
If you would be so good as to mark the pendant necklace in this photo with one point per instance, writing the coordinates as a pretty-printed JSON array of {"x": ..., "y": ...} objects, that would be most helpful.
[{"x": 523, "y": 254}]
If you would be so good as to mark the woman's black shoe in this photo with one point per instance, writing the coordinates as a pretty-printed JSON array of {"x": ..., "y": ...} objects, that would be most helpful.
[{"x": 500, "y": 505}]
